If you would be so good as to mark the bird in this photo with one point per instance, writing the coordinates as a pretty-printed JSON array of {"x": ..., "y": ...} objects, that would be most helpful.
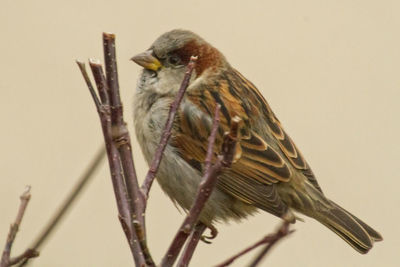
[{"x": 269, "y": 172}]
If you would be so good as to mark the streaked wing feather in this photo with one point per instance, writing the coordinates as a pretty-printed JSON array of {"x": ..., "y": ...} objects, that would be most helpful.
[
  {"x": 253, "y": 176},
  {"x": 284, "y": 142}
]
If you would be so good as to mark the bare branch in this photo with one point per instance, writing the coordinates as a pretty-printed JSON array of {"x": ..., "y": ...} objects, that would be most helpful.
[
  {"x": 85, "y": 75},
  {"x": 5, "y": 259},
  {"x": 123, "y": 143},
  {"x": 100, "y": 80},
  {"x": 106, "y": 114},
  {"x": 143, "y": 241},
  {"x": 269, "y": 241},
  {"x": 282, "y": 232},
  {"x": 191, "y": 244},
  {"x": 167, "y": 130},
  {"x": 205, "y": 187},
  {"x": 28, "y": 254},
  {"x": 121, "y": 137},
  {"x": 110, "y": 59}
]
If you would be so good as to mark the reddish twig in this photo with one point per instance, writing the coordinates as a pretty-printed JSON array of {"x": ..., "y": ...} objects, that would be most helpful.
[
  {"x": 282, "y": 232},
  {"x": 120, "y": 192},
  {"x": 191, "y": 244},
  {"x": 119, "y": 129},
  {"x": 28, "y": 254},
  {"x": 269, "y": 241},
  {"x": 121, "y": 138},
  {"x": 110, "y": 59},
  {"x": 167, "y": 129},
  {"x": 5, "y": 259},
  {"x": 206, "y": 185}
]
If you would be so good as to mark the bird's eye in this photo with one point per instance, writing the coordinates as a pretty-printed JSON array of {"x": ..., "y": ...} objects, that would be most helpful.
[{"x": 174, "y": 60}]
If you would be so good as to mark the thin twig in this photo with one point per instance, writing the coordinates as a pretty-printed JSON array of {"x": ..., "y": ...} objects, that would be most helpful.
[
  {"x": 100, "y": 79},
  {"x": 121, "y": 137},
  {"x": 67, "y": 203},
  {"x": 110, "y": 59},
  {"x": 113, "y": 156},
  {"x": 28, "y": 254},
  {"x": 5, "y": 259},
  {"x": 123, "y": 143},
  {"x": 206, "y": 186},
  {"x": 167, "y": 130},
  {"x": 143, "y": 242},
  {"x": 124, "y": 210},
  {"x": 85, "y": 75},
  {"x": 282, "y": 232},
  {"x": 119, "y": 129},
  {"x": 191, "y": 244},
  {"x": 268, "y": 240}
]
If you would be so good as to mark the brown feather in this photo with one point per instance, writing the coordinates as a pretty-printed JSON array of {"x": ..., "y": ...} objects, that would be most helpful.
[
  {"x": 259, "y": 166},
  {"x": 283, "y": 140}
]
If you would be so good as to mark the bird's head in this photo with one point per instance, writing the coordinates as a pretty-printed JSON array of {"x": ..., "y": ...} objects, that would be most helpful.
[{"x": 171, "y": 52}]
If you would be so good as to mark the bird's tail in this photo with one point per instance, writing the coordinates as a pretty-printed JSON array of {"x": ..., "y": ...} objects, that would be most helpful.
[{"x": 351, "y": 229}]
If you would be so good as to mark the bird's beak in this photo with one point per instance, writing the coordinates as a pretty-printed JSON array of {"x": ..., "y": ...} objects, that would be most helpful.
[{"x": 147, "y": 60}]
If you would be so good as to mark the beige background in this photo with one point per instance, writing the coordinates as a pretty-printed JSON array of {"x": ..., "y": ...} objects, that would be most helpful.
[{"x": 330, "y": 70}]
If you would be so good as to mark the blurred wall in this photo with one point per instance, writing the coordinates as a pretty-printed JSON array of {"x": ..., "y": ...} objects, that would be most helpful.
[{"x": 330, "y": 70}]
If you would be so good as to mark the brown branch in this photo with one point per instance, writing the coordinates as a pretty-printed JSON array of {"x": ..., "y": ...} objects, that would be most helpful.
[
  {"x": 112, "y": 78},
  {"x": 122, "y": 139},
  {"x": 5, "y": 259},
  {"x": 282, "y": 232},
  {"x": 68, "y": 202},
  {"x": 143, "y": 242},
  {"x": 191, "y": 244},
  {"x": 167, "y": 130},
  {"x": 206, "y": 185},
  {"x": 269, "y": 241},
  {"x": 28, "y": 254},
  {"x": 120, "y": 192},
  {"x": 101, "y": 82},
  {"x": 119, "y": 129},
  {"x": 85, "y": 75}
]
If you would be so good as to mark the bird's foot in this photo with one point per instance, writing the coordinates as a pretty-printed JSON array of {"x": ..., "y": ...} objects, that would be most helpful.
[{"x": 213, "y": 234}]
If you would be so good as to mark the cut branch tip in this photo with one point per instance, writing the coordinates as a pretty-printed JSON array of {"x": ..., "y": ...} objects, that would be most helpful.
[
  {"x": 109, "y": 35},
  {"x": 26, "y": 195},
  {"x": 94, "y": 61}
]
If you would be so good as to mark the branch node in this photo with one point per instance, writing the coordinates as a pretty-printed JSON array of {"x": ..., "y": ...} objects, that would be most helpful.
[{"x": 5, "y": 259}]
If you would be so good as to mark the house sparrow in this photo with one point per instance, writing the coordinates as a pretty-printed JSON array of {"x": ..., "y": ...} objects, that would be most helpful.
[{"x": 269, "y": 174}]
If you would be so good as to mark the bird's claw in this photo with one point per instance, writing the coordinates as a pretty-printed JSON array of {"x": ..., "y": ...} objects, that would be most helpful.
[{"x": 213, "y": 234}]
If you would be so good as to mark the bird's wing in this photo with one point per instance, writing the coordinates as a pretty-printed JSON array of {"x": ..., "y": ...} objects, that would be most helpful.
[
  {"x": 252, "y": 178},
  {"x": 285, "y": 143}
]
